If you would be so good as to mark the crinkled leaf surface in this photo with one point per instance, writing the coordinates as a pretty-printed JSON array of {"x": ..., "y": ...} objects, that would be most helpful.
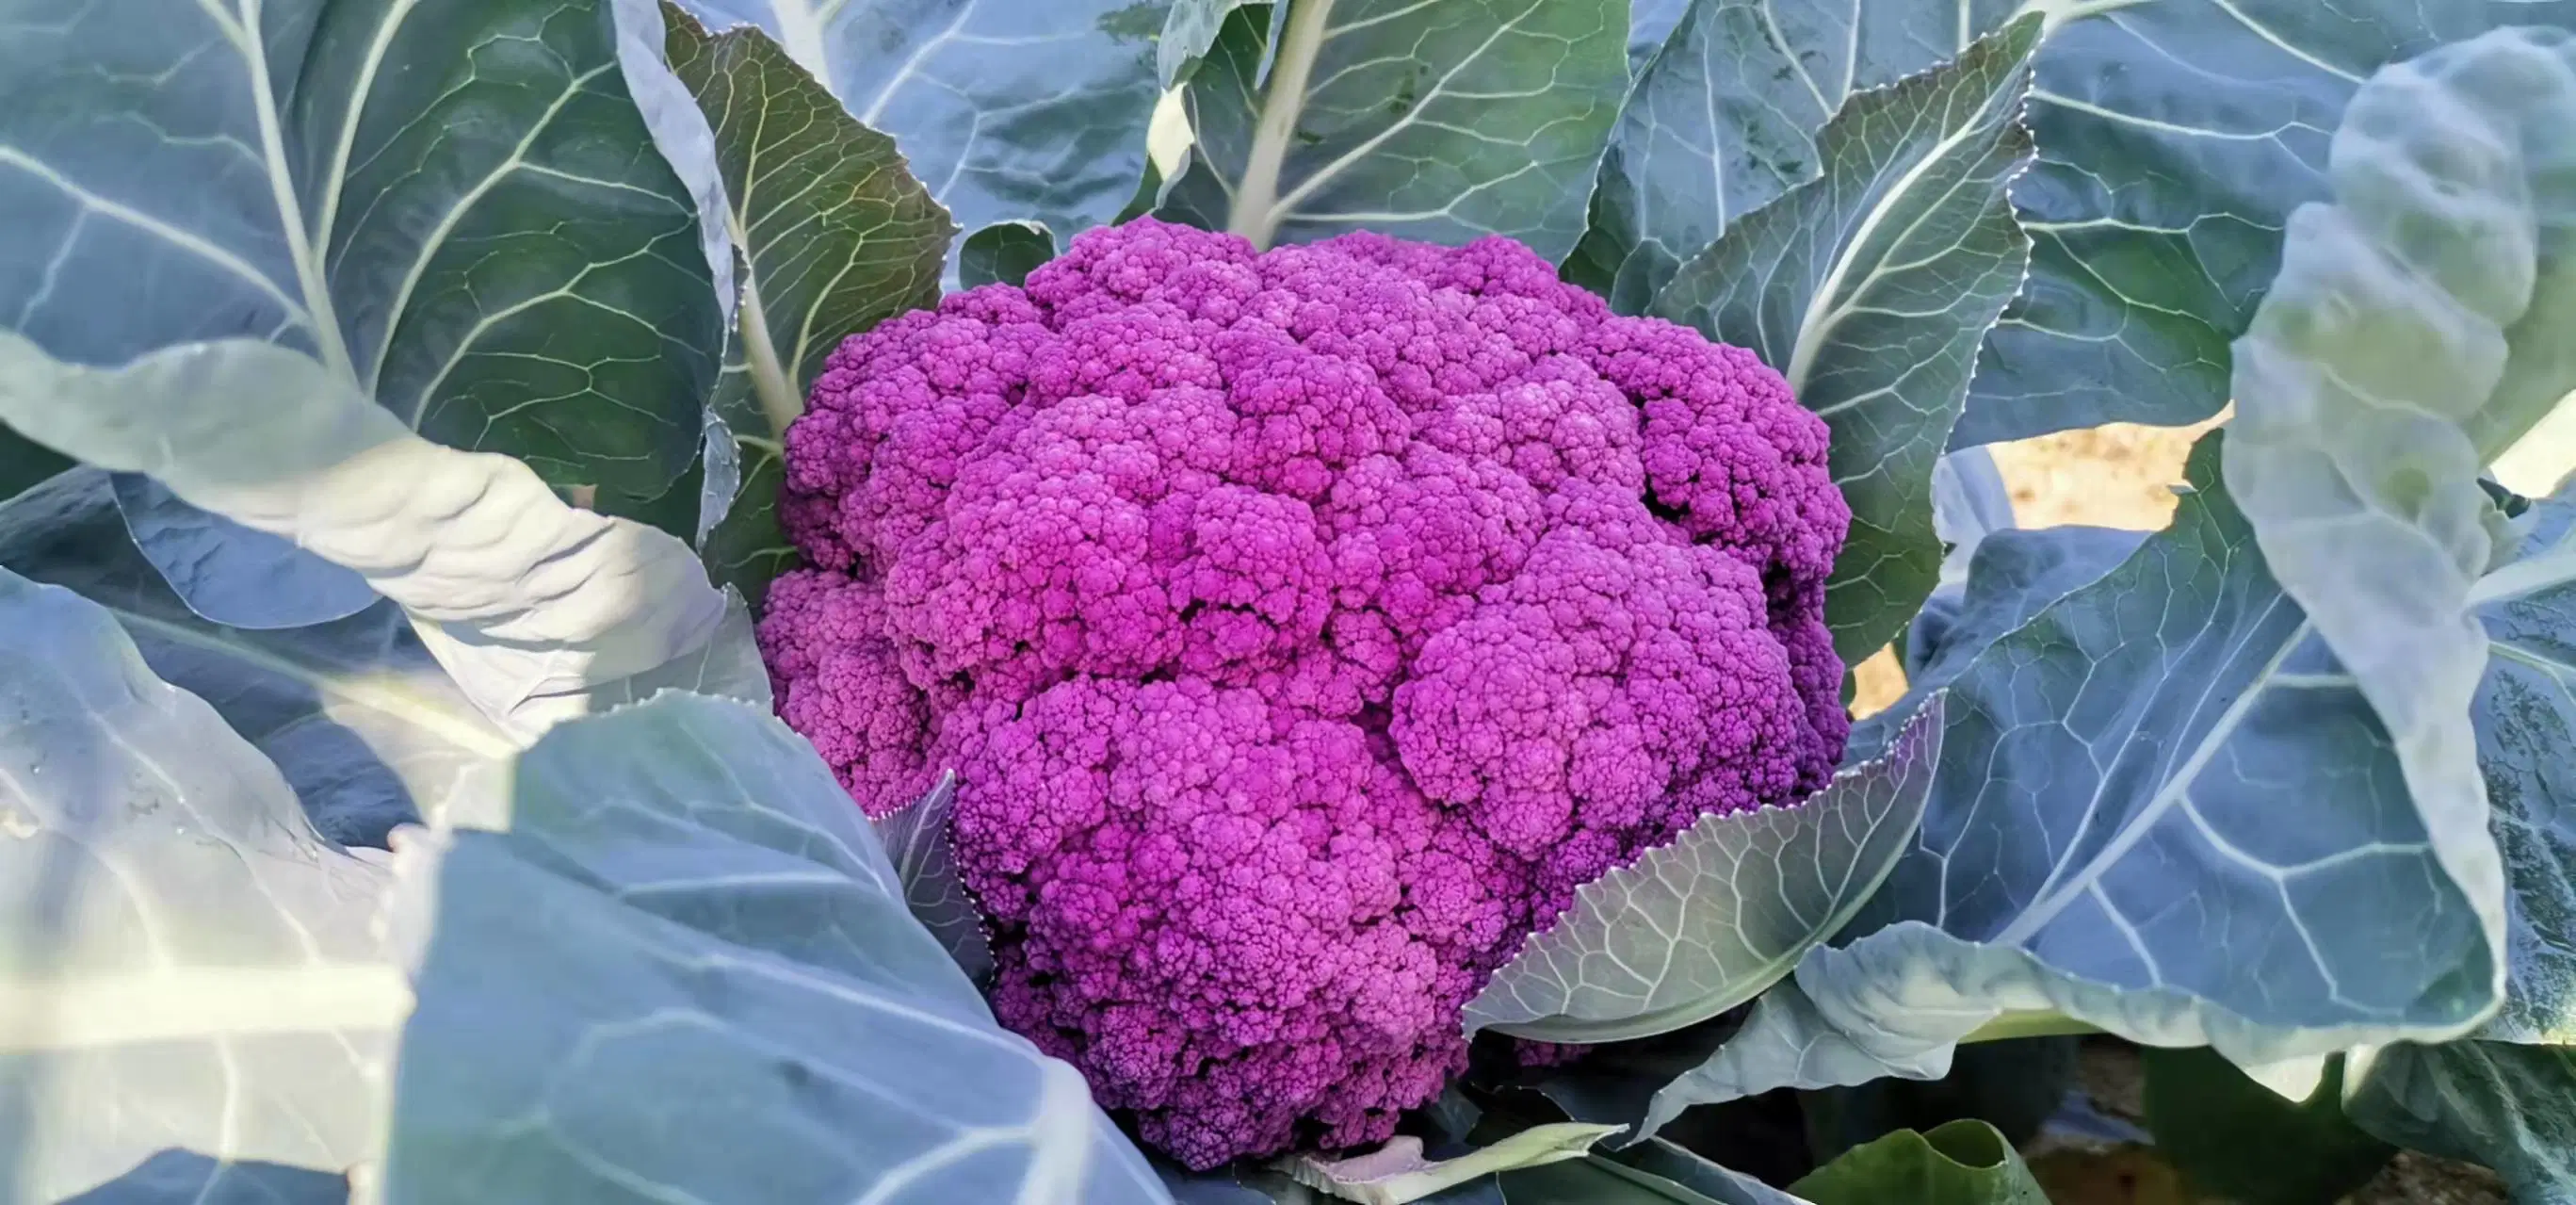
[
  {"x": 2509, "y": 1106},
  {"x": 2162, "y": 809},
  {"x": 363, "y": 723},
  {"x": 239, "y": 573},
  {"x": 2381, "y": 344},
  {"x": 1431, "y": 121},
  {"x": 1726, "y": 109},
  {"x": 916, "y": 840},
  {"x": 459, "y": 213},
  {"x": 2526, "y": 730},
  {"x": 835, "y": 236},
  {"x": 538, "y": 610},
  {"x": 1008, "y": 109},
  {"x": 684, "y": 896},
  {"x": 1704, "y": 923},
  {"x": 184, "y": 965},
  {"x": 2175, "y": 138},
  {"x": 1869, "y": 288}
]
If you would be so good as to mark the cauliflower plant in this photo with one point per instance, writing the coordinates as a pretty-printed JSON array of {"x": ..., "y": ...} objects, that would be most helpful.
[{"x": 1303, "y": 628}]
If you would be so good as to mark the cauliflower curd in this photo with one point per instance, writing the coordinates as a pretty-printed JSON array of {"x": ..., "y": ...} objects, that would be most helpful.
[{"x": 1304, "y": 627}]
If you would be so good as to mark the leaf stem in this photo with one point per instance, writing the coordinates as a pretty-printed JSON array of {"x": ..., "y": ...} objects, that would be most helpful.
[
  {"x": 2033, "y": 1023},
  {"x": 1256, "y": 201}
]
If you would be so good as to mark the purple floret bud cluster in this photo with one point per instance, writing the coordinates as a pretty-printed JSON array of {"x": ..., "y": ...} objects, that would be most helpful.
[{"x": 1304, "y": 627}]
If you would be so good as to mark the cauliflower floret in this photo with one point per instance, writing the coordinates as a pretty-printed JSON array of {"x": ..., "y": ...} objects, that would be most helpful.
[{"x": 1303, "y": 627}]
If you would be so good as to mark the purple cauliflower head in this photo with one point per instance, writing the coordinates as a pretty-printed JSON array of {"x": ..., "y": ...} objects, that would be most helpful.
[{"x": 1304, "y": 627}]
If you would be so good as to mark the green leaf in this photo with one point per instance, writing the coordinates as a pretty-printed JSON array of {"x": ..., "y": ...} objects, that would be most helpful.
[
  {"x": 1649, "y": 23},
  {"x": 1011, "y": 110},
  {"x": 2386, "y": 340},
  {"x": 2237, "y": 1139},
  {"x": 461, "y": 215},
  {"x": 538, "y": 610},
  {"x": 916, "y": 840},
  {"x": 1962, "y": 1163},
  {"x": 1005, "y": 253},
  {"x": 2526, "y": 730},
  {"x": 2015, "y": 574},
  {"x": 1397, "y": 1173},
  {"x": 684, "y": 895},
  {"x": 1726, "y": 109},
  {"x": 1869, "y": 288},
  {"x": 1705, "y": 922},
  {"x": 1431, "y": 121},
  {"x": 2175, "y": 138},
  {"x": 357, "y": 715},
  {"x": 2162, "y": 810},
  {"x": 2015, "y": 1086},
  {"x": 23, "y": 463},
  {"x": 835, "y": 236},
  {"x": 680, "y": 893},
  {"x": 2511, "y": 1107},
  {"x": 184, "y": 964}
]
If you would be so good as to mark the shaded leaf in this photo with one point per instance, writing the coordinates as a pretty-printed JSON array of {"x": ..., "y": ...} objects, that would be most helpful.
[
  {"x": 1439, "y": 122},
  {"x": 485, "y": 241},
  {"x": 1397, "y": 1173},
  {"x": 2508, "y": 1106},
  {"x": 916, "y": 840},
  {"x": 23, "y": 463},
  {"x": 2161, "y": 810},
  {"x": 1962, "y": 1163},
  {"x": 1869, "y": 288},
  {"x": 1010, "y": 110},
  {"x": 2015, "y": 1086},
  {"x": 231, "y": 573},
  {"x": 2237, "y": 1139},
  {"x": 1705, "y": 922},
  {"x": 1005, "y": 253},
  {"x": 2526, "y": 731}
]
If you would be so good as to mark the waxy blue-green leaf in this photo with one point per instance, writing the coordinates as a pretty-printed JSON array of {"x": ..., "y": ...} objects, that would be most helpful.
[
  {"x": 1435, "y": 121},
  {"x": 1010, "y": 110},
  {"x": 462, "y": 214},
  {"x": 2175, "y": 138},
  {"x": 834, "y": 235},
  {"x": 1725, "y": 113},
  {"x": 184, "y": 964},
  {"x": 1724, "y": 910},
  {"x": 2397, "y": 353},
  {"x": 2526, "y": 730},
  {"x": 916, "y": 840},
  {"x": 1869, "y": 288},
  {"x": 2510, "y": 1107},
  {"x": 366, "y": 727},
  {"x": 2162, "y": 810},
  {"x": 538, "y": 610},
  {"x": 683, "y": 895}
]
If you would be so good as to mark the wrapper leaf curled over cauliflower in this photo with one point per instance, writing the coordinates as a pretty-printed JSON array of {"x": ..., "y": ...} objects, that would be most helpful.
[{"x": 1303, "y": 627}]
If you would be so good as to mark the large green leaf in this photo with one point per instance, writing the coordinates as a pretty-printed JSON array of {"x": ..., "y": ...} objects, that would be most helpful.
[
  {"x": 2379, "y": 359},
  {"x": 1726, "y": 109},
  {"x": 2526, "y": 730},
  {"x": 23, "y": 463},
  {"x": 366, "y": 727},
  {"x": 1962, "y": 1163},
  {"x": 461, "y": 213},
  {"x": 2511, "y": 1107},
  {"x": 2175, "y": 138},
  {"x": 2163, "y": 810},
  {"x": 1704, "y": 923},
  {"x": 2237, "y": 1139},
  {"x": 673, "y": 896},
  {"x": 835, "y": 236},
  {"x": 1869, "y": 288},
  {"x": 1009, "y": 109},
  {"x": 183, "y": 963},
  {"x": 1438, "y": 121},
  {"x": 539, "y": 611}
]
